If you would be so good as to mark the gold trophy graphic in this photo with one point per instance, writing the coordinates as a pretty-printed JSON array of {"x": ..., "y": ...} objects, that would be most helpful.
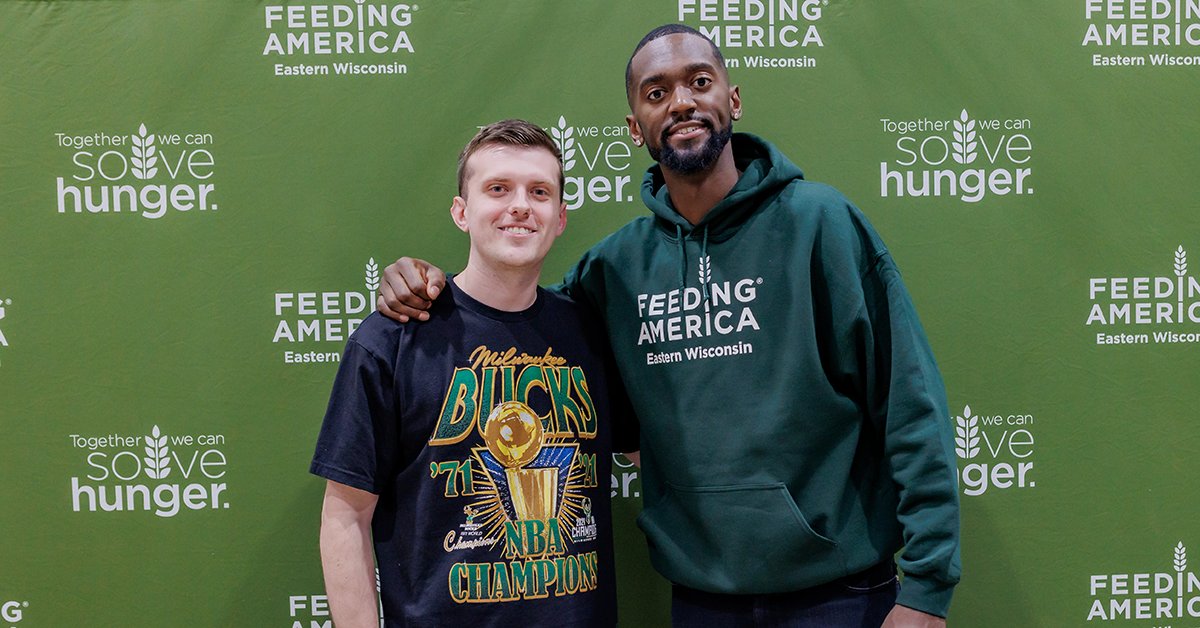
[{"x": 514, "y": 436}]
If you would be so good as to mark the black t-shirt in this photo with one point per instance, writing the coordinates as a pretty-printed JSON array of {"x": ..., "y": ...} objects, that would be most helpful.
[{"x": 511, "y": 532}]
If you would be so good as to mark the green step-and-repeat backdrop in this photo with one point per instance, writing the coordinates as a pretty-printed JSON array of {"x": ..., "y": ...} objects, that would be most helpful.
[{"x": 197, "y": 199}]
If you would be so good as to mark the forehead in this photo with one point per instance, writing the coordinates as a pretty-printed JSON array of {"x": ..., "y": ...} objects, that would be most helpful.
[
  {"x": 672, "y": 54},
  {"x": 503, "y": 161}
]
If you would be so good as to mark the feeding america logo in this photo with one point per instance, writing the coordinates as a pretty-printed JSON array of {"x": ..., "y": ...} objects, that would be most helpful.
[
  {"x": 308, "y": 319},
  {"x": 13, "y": 611},
  {"x": 1140, "y": 310},
  {"x": 298, "y": 34},
  {"x": 759, "y": 34},
  {"x": 1173, "y": 593},
  {"x": 1142, "y": 33}
]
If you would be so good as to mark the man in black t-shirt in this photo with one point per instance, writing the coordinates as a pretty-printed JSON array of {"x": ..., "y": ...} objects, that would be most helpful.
[{"x": 465, "y": 455}]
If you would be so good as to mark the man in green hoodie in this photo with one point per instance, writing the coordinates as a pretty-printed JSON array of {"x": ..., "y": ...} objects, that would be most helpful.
[{"x": 794, "y": 427}]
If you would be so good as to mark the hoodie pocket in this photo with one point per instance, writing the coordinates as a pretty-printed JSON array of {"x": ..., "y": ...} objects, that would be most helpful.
[{"x": 749, "y": 538}]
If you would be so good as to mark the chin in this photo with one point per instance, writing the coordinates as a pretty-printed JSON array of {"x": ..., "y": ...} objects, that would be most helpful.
[{"x": 521, "y": 260}]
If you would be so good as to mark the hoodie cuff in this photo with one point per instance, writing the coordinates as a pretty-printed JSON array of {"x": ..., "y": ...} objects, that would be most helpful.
[{"x": 925, "y": 595}]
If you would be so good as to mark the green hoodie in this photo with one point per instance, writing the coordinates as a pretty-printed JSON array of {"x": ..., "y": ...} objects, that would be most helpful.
[{"x": 794, "y": 425}]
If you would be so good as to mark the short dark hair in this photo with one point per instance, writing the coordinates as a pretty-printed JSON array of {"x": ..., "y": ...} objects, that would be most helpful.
[
  {"x": 511, "y": 132},
  {"x": 663, "y": 31}
]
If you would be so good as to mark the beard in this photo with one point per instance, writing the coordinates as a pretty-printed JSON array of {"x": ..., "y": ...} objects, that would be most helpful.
[{"x": 695, "y": 160}]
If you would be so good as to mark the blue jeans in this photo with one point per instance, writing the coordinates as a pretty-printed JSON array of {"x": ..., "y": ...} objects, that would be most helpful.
[{"x": 861, "y": 600}]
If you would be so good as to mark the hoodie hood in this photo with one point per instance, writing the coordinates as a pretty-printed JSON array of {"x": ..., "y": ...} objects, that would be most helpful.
[{"x": 765, "y": 171}]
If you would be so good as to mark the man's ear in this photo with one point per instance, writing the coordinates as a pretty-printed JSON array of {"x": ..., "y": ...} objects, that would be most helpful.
[
  {"x": 635, "y": 130},
  {"x": 735, "y": 102},
  {"x": 562, "y": 219},
  {"x": 458, "y": 212}
]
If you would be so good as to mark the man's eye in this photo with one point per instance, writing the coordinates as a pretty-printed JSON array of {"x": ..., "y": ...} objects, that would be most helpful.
[
  {"x": 496, "y": 188},
  {"x": 655, "y": 94},
  {"x": 702, "y": 81}
]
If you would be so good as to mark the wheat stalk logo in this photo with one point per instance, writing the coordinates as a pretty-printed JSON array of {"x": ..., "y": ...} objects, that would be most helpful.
[
  {"x": 966, "y": 434},
  {"x": 964, "y": 139},
  {"x": 156, "y": 455},
  {"x": 705, "y": 269},
  {"x": 371, "y": 277},
  {"x": 566, "y": 144},
  {"x": 1180, "y": 261},
  {"x": 1180, "y": 557},
  {"x": 143, "y": 154}
]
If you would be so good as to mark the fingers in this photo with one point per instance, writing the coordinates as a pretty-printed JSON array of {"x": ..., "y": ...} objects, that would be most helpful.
[
  {"x": 422, "y": 280},
  {"x": 408, "y": 289},
  {"x": 435, "y": 280},
  {"x": 396, "y": 310}
]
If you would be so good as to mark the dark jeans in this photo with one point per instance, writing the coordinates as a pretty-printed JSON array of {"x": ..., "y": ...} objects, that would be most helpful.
[{"x": 861, "y": 600}]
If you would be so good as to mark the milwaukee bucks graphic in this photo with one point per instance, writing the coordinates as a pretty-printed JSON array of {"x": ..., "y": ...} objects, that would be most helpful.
[
  {"x": 144, "y": 158},
  {"x": 566, "y": 144},
  {"x": 966, "y": 439}
]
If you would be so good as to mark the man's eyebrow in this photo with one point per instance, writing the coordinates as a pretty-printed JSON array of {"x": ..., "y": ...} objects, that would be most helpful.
[
  {"x": 656, "y": 78},
  {"x": 505, "y": 178},
  {"x": 699, "y": 66}
]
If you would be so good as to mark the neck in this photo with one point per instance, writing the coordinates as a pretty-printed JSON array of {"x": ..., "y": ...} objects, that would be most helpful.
[
  {"x": 695, "y": 194},
  {"x": 507, "y": 290}
]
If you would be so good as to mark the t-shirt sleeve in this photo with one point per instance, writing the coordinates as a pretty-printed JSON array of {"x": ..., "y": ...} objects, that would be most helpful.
[
  {"x": 626, "y": 429},
  {"x": 357, "y": 445}
]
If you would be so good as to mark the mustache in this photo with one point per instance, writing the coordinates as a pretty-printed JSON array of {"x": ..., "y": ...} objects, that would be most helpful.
[{"x": 666, "y": 132}]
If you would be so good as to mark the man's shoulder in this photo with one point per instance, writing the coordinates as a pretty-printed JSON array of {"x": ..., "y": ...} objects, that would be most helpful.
[
  {"x": 558, "y": 306},
  {"x": 827, "y": 215},
  {"x": 823, "y": 203},
  {"x": 802, "y": 194},
  {"x": 379, "y": 335},
  {"x": 633, "y": 232}
]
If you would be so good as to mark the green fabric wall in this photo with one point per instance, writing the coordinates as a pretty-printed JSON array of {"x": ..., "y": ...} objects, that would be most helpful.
[{"x": 260, "y": 188}]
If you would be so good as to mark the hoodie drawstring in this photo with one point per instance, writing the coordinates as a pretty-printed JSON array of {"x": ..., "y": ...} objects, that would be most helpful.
[
  {"x": 682, "y": 257},
  {"x": 705, "y": 268}
]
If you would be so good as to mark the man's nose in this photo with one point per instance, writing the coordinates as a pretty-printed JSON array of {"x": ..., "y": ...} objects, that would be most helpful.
[
  {"x": 521, "y": 204},
  {"x": 681, "y": 100}
]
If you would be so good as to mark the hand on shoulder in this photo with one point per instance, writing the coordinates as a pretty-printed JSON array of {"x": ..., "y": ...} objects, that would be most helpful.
[{"x": 408, "y": 289}]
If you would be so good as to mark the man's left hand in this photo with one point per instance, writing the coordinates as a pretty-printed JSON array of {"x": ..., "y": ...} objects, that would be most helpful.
[{"x": 905, "y": 617}]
